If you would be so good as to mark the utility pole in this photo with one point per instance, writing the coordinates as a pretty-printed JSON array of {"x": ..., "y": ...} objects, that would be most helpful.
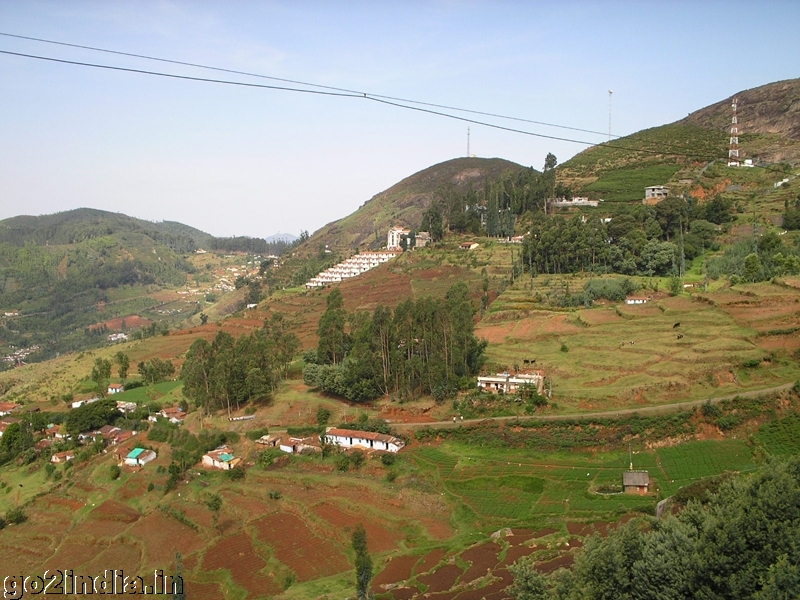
[
  {"x": 609, "y": 114},
  {"x": 467, "y": 141},
  {"x": 733, "y": 152}
]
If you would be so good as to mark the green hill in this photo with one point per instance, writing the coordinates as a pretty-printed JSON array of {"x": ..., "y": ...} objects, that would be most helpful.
[
  {"x": 404, "y": 202},
  {"x": 676, "y": 154}
]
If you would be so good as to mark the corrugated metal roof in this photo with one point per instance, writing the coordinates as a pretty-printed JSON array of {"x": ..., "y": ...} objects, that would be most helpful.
[
  {"x": 638, "y": 478},
  {"x": 135, "y": 453}
]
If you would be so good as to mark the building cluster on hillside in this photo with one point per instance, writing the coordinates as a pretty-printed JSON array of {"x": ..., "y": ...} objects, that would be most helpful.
[
  {"x": 655, "y": 194},
  {"x": 17, "y": 358},
  {"x": 576, "y": 201},
  {"x": 352, "y": 267},
  {"x": 394, "y": 239}
]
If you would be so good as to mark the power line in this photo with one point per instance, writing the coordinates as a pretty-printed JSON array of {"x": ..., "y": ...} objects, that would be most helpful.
[
  {"x": 379, "y": 99},
  {"x": 297, "y": 82}
]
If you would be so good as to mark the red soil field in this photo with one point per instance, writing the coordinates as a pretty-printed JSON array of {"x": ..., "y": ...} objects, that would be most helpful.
[
  {"x": 405, "y": 593},
  {"x": 579, "y": 529},
  {"x": 71, "y": 555},
  {"x": 397, "y": 569},
  {"x": 21, "y": 554},
  {"x": 70, "y": 504},
  {"x": 202, "y": 591},
  {"x": 162, "y": 536},
  {"x": 237, "y": 555},
  {"x": 296, "y": 546},
  {"x": 565, "y": 560},
  {"x": 126, "y": 556},
  {"x": 442, "y": 579},
  {"x": 483, "y": 559},
  {"x": 111, "y": 510},
  {"x": 439, "y": 529},
  {"x": 379, "y": 539},
  {"x": 131, "y": 322},
  {"x": 430, "y": 560}
]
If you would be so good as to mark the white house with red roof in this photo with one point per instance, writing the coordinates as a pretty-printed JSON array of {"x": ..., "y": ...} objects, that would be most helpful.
[{"x": 367, "y": 440}]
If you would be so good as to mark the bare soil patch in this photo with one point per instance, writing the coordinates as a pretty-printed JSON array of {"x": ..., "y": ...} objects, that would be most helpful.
[
  {"x": 296, "y": 546},
  {"x": 442, "y": 579},
  {"x": 130, "y": 322},
  {"x": 111, "y": 510},
  {"x": 162, "y": 536},
  {"x": 202, "y": 591},
  {"x": 397, "y": 570},
  {"x": 379, "y": 538},
  {"x": 565, "y": 560},
  {"x": 236, "y": 554},
  {"x": 483, "y": 559},
  {"x": 430, "y": 560}
]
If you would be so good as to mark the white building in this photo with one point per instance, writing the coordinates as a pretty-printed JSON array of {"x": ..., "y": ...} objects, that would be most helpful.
[
  {"x": 139, "y": 457},
  {"x": 367, "y": 440},
  {"x": 352, "y": 267},
  {"x": 509, "y": 384},
  {"x": 394, "y": 237}
]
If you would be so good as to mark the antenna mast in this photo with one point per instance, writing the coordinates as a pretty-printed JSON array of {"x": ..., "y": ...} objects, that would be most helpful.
[
  {"x": 733, "y": 153},
  {"x": 468, "y": 141},
  {"x": 609, "y": 114}
]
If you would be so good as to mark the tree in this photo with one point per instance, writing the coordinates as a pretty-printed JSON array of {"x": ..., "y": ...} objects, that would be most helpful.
[
  {"x": 123, "y": 364},
  {"x": 363, "y": 563},
  {"x": 101, "y": 372},
  {"x": 214, "y": 504},
  {"x": 432, "y": 222},
  {"x": 331, "y": 333},
  {"x": 528, "y": 584}
]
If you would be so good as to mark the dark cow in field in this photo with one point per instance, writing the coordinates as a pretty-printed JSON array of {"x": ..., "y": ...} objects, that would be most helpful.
[
  {"x": 680, "y": 336},
  {"x": 676, "y": 325}
]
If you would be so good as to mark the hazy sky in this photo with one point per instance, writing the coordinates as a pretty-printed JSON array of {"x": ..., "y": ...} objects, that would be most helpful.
[{"x": 233, "y": 160}]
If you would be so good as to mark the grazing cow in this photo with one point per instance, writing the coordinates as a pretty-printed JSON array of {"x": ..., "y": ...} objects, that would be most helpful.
[
  {"x": 676, "y": 325},
  {"x": 680, "y": 335},
  {"x": 526, "y": 361},
  {"x": 632, "y": 343}
]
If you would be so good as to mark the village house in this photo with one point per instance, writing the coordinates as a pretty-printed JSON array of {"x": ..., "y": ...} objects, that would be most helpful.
[
  {"x": 221, "y": 458},
  {"x": 270, "y": 441},
  {"x": 7, "y": 407},
  {"x": 294, "y": 445},
  {"x": 367, "y": 440},
  {"x": 577, "y": 201},
  {"x": 5, "y": 422},
  {"x": 655, "y": 194},
  {"x": 637, "y": 299},
  {"x": 62, "y": 457},
  {"x": 510, "y": 384},
  {"x": 61, "y": 433},
  {"x": 636, "y": 482},
  {"x": 126, "y": 407},
  {"x": 173, "y": 414},
  {"x": 115, "y": 388},
  {"x": 468, "y": 245},
  {"x": 139, "y": 457}
]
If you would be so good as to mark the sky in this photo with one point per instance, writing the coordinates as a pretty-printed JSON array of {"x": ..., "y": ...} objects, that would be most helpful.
[{"x": 239, "y": 160}]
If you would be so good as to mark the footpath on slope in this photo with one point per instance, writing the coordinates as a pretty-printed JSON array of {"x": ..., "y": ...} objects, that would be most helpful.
[{"x": 660, "y": 409}]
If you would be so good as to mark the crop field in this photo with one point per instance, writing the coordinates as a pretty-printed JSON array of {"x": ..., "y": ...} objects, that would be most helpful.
[
  {"x": 781, "y": 437},
  {"x": 691, "y": 461},
  {"x": 668, "y": 350}
]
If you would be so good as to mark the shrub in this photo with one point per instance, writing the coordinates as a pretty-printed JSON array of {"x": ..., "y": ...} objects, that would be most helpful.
[
  {"x": 235, "y": 474},
  {"x": 342, "y": 462},
  {"x": 391, "y": 476},
  {"x": 275, "y": 494},
  {"x": 564, "y": 347},
  {"x": 358, "y": 458},
  {"x": 256, "y": 433},
  {"x": 150, "y": 486},
  {"x": 16, "y": 516},
  {"x": 710, "y": 411},
  {"x": 388, "y": 459},
  {"x": 115, "y": 472}
]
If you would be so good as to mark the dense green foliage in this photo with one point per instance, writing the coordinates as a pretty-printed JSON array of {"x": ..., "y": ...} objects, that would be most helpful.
[
  {"x": 427, "y": 346},
  {"x": 91, "y": 416},
  {"x": 363, "y": 563},
  {"x": 230, "y": 372},
  {"x": 741, "y": 544},
  {"x": 757, "y": 260}
]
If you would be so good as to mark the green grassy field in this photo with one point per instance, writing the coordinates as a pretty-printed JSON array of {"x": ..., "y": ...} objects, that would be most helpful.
[{"x": 614, "y": 355}]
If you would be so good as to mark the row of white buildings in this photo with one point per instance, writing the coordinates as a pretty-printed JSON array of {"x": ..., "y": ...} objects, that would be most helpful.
[{"x": 352, "y": 267}]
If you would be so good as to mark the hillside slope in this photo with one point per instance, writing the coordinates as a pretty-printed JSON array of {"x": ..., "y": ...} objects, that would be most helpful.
[
  {"x": 404, "y": 203},
  {"x": 769, "y": 120}
]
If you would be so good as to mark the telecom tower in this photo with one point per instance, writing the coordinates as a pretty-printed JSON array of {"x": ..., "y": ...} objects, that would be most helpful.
[{"x": 733, "y": 153}]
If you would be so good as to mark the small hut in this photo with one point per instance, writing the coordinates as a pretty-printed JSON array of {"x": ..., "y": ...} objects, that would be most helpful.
[{"x": 636, "y": 482}]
